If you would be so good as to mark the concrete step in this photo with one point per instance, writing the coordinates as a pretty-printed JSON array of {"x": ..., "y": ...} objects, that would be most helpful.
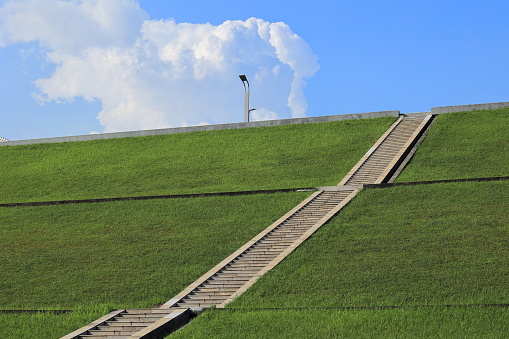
[
  {"x": 101, "y": 336},
  {"x": 204, "y": 297},
  {"x": 115, "y": 334}
]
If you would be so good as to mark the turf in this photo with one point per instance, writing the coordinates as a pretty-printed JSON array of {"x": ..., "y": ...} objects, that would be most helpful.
[
  {"x": 290, "y": 156},
  {"x": 422, "y": 245},
  {"x": 130, "y": 254},
  {"x": 45, "y": 325},
  {"x": 469, "y": 322},
  {"x": 463, "y": 145}
]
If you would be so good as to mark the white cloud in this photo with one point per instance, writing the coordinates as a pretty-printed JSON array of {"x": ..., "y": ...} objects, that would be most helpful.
[
  {"x": 263, "y": 114},
  {"x": 160, "y": 73}
]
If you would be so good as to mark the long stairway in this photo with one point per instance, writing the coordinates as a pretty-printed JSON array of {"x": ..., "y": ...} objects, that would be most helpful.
[{"x": 240, "y": 270}]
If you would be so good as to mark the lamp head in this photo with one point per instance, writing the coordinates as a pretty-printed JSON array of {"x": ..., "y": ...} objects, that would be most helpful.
[{"x": 243, "y": 77}]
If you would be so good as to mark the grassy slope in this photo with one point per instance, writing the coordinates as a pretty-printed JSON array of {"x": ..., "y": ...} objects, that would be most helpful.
[
  {"x": 463, "y": 145},
  {"x": 45, "y": 325},
  {"x": 231, "y": 160},
  {"x": 123, "y": 254},
  {"x": 422, "y": 245},
  {"x": 393, "y": 253},
  {"x": 125, "y": 184},
  {"x": 312, "y": 323}
]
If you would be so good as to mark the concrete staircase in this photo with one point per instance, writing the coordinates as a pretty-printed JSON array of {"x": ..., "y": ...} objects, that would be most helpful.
[
  {"x": 239, "y": 271},
  {"x": 136, "y": 323},
  {"x": 236, "y": 273},
  {"x": 378, "y": 164}
]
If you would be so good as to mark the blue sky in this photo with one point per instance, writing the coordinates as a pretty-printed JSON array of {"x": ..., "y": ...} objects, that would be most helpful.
[{"x": 76, "y": 67}]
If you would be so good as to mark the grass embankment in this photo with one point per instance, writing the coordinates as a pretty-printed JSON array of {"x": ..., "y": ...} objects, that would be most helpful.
[
  {"x": 442, "y": 244},
  {"x": 123, "y": 254},
  {"x": 312, "y": 323},
  {"x": 422, "y": 245},
  {"x": 289, "y": 156},
  {"x": 96, "y": 257},
  {"x": 463, "y": 145},
  {"x": 46, "y": 325}
]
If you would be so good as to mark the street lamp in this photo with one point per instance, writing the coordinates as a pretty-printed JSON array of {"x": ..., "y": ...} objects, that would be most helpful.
[{"x": 243, "y": 78}]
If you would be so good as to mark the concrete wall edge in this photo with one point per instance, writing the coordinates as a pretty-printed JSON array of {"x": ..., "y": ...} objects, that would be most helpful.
[
  {"x": 238, "y": 125},
  {"x": 265, "y": 123},
  {"x": 466, "y": 108}
]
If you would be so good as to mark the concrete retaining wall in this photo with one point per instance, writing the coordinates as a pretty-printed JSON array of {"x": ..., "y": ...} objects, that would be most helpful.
[
  {"x": 265, "y": 123},
  {"x": 464, "y": 108}
]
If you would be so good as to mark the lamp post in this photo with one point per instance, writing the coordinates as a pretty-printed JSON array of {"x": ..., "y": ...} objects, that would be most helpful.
[{"x": 243, "y": 78}]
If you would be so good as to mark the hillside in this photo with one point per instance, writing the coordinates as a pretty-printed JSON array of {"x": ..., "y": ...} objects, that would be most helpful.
[
  {"x": 419, "y": 261},
  {"x": 290, "y": 156},
  {"x": 463, "y": 145},
  {"x": 102, "y": 256},
  {"x": 418, "y": 248}
]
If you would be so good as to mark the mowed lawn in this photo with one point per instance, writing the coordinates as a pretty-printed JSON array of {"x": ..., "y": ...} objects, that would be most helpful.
[
  {"x": 435, "y": 322},
  {"x": 411, "y": 247},
  {"x": 291, "y": 156},
  {"x": 92, "y": 258},
  {"x": 124, "y": 254},
  {"x": 420, "y": 245},
  {"x": 463, "y": 145}
]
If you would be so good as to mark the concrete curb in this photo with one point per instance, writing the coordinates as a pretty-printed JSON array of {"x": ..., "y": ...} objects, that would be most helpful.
[
  {"x": 348, "y": 308},
  {"x": 151, "y": 197},
  {"x": 465, "y": 108},
  {"x": 239, "y": 125},
  {"x": 35, "y": 311},
  {"x": 266, "y": 123},
  {"x": 415, "y": 183}
]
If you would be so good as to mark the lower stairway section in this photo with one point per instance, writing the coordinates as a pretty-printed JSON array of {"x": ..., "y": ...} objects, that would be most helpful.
[
  {"x": 136, "y": 323},
  {"x": 236, "y": 273},
  {"x": 239, "y": 271}
]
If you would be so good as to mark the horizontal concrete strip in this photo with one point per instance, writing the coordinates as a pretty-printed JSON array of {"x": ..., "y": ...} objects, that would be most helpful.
[
  {"x": 347, "y": 308},
  {"x": 163, "y": 131},
  {"x": 35, "y": 311},
  {"x": 172, "y": 196},
  {"x": 413, "y": 183},
  {"x": 466, "y": 108},
  {"x": 218, "y": 194},
  {"x": 239, "y": 125}
]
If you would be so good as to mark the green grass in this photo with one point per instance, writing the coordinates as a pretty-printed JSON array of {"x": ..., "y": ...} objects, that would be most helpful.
[
  {"x": 463, "y": 145},
  {"x": 289, "y": 156},
  {"x": 421, "y": 245},
  {"x": 466, "y": 322},
  {"x": 45, "y": 325},
  {"x": 123, "y": 254}
]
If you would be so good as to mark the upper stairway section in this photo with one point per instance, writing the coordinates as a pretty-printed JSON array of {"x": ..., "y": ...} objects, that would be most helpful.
[{"x": 380, "y": 162}]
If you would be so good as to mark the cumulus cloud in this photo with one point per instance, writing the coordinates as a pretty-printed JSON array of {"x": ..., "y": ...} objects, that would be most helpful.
[{"x": 160, "y": 73}]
